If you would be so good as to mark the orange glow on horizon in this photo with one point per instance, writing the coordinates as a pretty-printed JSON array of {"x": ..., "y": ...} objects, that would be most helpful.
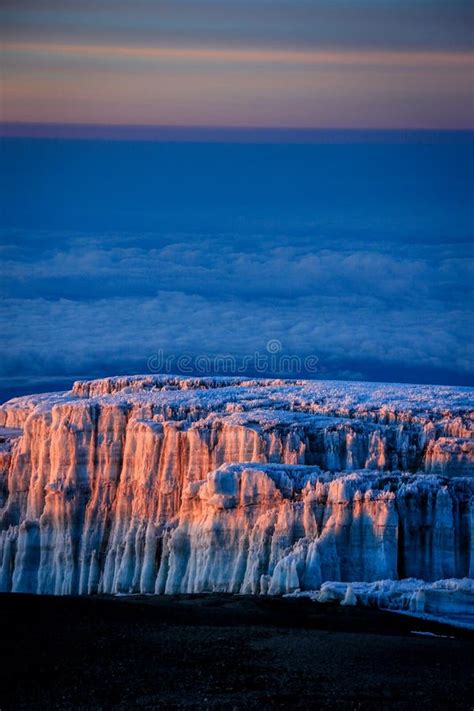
[
  {"x": 235, "y": 86},
  {"x": 249, "y": 56}
]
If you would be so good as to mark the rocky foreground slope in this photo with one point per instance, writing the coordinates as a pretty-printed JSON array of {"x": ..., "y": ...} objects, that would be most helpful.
[{"x": 164, "y": 484}]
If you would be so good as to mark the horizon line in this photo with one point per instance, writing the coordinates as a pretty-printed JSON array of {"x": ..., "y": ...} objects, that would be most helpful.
[{"x": 218, "y": 133}]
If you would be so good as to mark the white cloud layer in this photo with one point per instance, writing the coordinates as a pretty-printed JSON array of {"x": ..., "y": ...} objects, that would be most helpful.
[{"x": 93, "y": 304}]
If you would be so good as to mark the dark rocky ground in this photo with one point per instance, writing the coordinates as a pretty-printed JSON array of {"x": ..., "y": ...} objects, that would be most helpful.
[{"x": 225, "y": 652}]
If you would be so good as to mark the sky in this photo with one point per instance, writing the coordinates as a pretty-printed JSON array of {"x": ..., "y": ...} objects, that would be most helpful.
[
  {"x": 289, "y": 177},
  {"x": 357, "y": 254},
  {"x": 279, "y": 63}
]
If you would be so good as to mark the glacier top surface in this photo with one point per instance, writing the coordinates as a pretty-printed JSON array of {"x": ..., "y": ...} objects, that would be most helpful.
[
  {"x": 262, "y": 402},
  {"x": 237, "y": 396}
]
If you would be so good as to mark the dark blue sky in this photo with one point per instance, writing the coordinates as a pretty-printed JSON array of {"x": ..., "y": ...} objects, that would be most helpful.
[
  {"x": 358, "y": 253},
  {"x": 210, "y": 214}
]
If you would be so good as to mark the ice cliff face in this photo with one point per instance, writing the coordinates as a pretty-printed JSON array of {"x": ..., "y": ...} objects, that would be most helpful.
[
  {"x": 170, "y": 484},
  {"x": 449, "y": 600}
]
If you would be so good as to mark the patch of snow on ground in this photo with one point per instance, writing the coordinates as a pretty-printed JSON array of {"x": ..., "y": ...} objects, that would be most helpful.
[{"x": 450, "y": 600}]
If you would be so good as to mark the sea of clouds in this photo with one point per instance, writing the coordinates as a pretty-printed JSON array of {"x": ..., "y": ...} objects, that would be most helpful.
[
  {"x": 356, "y": 254},
  {"x": 105, "y": 303}
]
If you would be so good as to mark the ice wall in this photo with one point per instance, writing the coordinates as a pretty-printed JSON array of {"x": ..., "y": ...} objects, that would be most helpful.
[
  {"x": 184, "y": 484},
  {"x": 449, "y": 600},
  {"x": 256, "y": 529}
]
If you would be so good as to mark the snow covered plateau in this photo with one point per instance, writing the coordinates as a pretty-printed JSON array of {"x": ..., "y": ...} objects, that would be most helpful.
[{"x": 162, "y": 484}]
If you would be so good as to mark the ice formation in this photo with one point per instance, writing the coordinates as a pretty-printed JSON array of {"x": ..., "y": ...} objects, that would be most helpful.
[
  {"x": 449, "y": 600},
  {"x": 167, "y": 484}
]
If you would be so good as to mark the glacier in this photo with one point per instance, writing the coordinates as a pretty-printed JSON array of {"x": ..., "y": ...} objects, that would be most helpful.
[
  {"x": 450, "y": 600},
  {"x": 167, "y": 484}
]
